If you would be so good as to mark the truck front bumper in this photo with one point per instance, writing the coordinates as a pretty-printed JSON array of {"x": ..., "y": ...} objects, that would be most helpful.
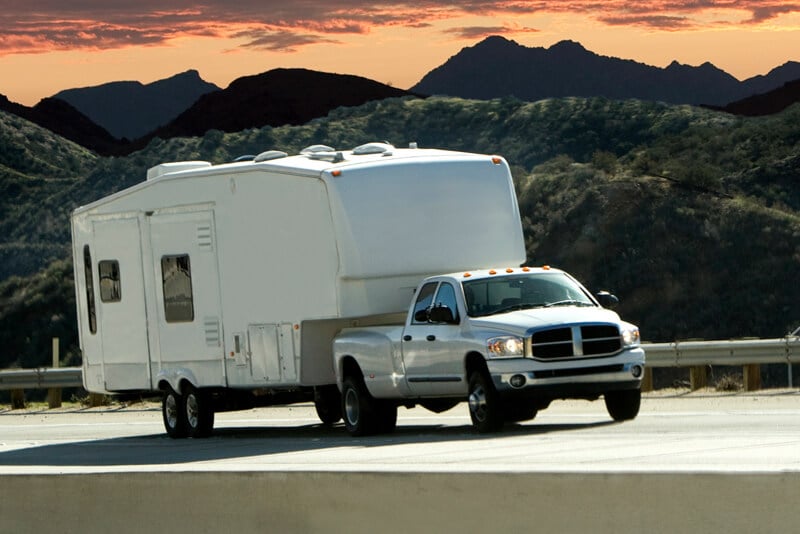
[{"x": 578, "y": 378}]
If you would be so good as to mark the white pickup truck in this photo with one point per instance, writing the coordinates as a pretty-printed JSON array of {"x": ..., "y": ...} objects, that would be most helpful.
[{"x": 507, "y": 341}]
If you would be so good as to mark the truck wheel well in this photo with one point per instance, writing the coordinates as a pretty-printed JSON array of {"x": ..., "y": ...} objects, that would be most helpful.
[
  {"x": 475, "y": 362},
  {"x": 350, "y": 367}
]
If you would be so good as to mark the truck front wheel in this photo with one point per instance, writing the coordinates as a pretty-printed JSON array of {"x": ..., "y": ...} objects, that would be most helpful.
[
  {"x": 174, "y": 414},
  {"x": 485, "y": 407},
  {"x": 623, "y": 405}
]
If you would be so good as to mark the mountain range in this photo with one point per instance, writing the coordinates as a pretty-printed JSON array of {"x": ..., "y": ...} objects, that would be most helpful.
[
  {"x": 498, "y": 67},
  {"x": 119, "y": 118},
  {"x": 130, "y": 110}
]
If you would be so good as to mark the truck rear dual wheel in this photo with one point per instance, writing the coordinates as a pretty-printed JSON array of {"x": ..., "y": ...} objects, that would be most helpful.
[
  {"x": 623, "y": 405},
  {"x": 363, "y": 414},
  {"x": 328, "y": 403}
]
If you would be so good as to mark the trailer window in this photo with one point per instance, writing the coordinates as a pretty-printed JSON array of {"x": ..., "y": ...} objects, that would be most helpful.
[
  {"x": 87, "y": 273},
  {"x": 176, "y": 275},
  {"x": 110, "y": 290}
]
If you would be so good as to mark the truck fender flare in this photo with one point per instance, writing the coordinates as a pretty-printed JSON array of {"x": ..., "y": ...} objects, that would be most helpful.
[{"x": 175, "y": 378}]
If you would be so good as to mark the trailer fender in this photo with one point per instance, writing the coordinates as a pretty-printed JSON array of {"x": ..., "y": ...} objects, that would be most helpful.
[{"x": 176, "y": 378}]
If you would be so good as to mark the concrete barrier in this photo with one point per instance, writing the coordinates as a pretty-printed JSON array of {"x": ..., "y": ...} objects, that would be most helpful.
[{"x": 353, "y": 502}]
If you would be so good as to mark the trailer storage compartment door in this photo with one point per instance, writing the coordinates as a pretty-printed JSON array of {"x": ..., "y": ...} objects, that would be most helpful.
[{"x": 272, "y": 353}]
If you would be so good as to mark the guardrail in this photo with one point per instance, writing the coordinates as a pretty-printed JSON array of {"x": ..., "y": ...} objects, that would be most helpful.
[
  {"x": 63, "y": 377},
  {"x": 749, "y": 353},
  {"x": 51, "y": 379},
  {"x": 697, "y": 355}
]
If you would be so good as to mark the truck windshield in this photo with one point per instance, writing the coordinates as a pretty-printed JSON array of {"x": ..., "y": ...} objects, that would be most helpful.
[{"x": 502, "y": 294}]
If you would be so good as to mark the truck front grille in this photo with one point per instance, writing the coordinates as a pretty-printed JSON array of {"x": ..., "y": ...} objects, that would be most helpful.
[{"x": 576, "y": 341}]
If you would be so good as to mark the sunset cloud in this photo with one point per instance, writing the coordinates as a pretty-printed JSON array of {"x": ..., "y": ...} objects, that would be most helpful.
[{"x": 38, "y": 26}]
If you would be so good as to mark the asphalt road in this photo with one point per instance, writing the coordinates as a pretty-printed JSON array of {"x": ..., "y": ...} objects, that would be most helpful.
[{"x": 675, "y": 432}]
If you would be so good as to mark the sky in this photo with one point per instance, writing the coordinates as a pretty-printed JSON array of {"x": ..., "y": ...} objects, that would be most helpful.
[{"x": 49, "y": 45}]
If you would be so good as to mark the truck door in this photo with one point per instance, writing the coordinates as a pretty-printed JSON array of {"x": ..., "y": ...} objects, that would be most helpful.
[
  {"x": 120, "y": 304},
  {"x": 186, "y": 291},
  {"x": 432, "y": 351}
]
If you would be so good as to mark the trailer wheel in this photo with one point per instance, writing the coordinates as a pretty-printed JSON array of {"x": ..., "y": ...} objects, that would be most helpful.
[
  {"x": 328, "y": 402},
  {"x": 199, "y": 413},
  {"x": 623, "y": 405},
  {"x": 174, "y": 414},
  {"x": 485, "y": 408},
  {"x": 358, "y": 408}
]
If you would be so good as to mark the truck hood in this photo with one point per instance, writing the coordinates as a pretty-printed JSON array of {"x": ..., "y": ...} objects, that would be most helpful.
[{"x": 519, "y": 322}]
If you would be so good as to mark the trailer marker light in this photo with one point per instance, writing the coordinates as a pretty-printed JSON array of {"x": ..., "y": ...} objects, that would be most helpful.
[
  {"x": 297, "y": 327},
  {"x": 336, "y": 173},
  {"x": 496, "y": 160}
]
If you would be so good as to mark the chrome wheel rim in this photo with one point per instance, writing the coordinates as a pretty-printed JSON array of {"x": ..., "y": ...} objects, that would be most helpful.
[
  {"x": 351, "y": 406},
  {"x": 477, "y": 403},
  {"x": 171, "y": 410},
  {"x": 192, "y": 410}
]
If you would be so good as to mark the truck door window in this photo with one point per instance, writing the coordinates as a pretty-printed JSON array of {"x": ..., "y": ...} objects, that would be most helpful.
[
  {"x": 87, "y": 273},
  {"x": 447, "y": 297},
  {"x": 110, "y": 289},
  {"x": 424, "y": 301},
  {"x": 176, "y": 275}
]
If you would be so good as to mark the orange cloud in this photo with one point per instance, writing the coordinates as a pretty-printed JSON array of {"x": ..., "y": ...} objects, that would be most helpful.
[{"x": 44, "y": 25}]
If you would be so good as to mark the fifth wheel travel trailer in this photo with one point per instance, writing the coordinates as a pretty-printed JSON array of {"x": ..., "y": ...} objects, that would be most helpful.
[{"x": 223, "y": 286}]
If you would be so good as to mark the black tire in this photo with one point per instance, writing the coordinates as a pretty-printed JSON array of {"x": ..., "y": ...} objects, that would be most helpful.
[
  {"x": 519, "y": 411},
  {"x": 386, "y": 417},
  {"x": 199, "y": 411},
  {"x": 360, "y": 411},
  {"x": 173, "y": 412},
  {"x": 623, "y": 405},
  {"x": 485, "y": 408},
  {"x": 328, "y": 402}
]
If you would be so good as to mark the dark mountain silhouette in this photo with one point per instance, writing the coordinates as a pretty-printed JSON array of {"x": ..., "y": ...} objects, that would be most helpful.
[
  {"x": 275, "y": 98},
  {"x": 768, "y": 103},
  {"x": 61, "y": 118},
  {"x": 129, "y": 110},
  {"x": 498, "y": 67}
]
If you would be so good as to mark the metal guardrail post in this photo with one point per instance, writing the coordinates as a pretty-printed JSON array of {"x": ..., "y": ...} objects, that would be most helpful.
[{"x": 54, "y": 394}]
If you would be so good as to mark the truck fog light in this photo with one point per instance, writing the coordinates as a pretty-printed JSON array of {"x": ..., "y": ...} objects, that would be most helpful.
[
  {"x": 517, "y": 381},
  {"x": 636, "y": 371}
]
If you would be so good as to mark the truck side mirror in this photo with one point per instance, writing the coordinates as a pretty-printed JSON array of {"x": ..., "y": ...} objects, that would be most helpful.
[
  {"x": 607, "y": 300},
  {"x": 421, "y": 316},
  {"x": 441, "y": 314}
]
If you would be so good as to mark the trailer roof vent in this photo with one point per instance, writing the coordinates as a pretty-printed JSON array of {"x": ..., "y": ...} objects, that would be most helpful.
[
  {"x": 313, "y": 149},
  {"x": 269, "y": 155},
  {"x": 373, "y": 148},
  {"x": 166, "y": 168},
  {"x": 333, "y": 157}
]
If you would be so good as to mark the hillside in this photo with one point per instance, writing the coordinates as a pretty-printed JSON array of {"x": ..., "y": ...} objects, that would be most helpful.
[
  {"x": 498, "y": 67},
  {"x": 767, "y": 103},
  {"x": 130, "y": 109},
  {"x": 275, "y": 98},
  {"x": 691, "y": 216}
]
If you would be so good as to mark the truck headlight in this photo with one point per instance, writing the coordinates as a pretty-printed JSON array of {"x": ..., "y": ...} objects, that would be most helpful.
[
  {"x": 505, "y": 347},
  {"x": 630, "y": 336}
]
